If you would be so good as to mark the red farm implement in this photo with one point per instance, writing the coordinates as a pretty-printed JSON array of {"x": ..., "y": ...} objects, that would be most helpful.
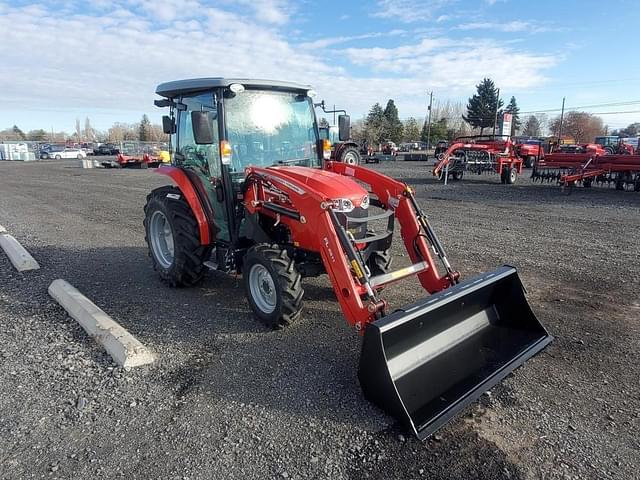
[
  {"x": 587, "y": 166},
  {"x": 479, "y": 154}
]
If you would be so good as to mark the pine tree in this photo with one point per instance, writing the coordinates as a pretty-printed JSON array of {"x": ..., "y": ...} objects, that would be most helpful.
[
  {"x": 393, "y": 125},
  {"x": 514, "y": 110},
  {"x": 144, "y": 129},
  {"x": 532, "y": 127},
  {"x": 481, "y": 108},
  {"x": 411, "y": 130},
  {"x": 374, "y": 125}
]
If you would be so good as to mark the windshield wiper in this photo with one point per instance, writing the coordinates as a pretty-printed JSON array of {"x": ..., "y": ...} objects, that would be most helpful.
[{"x": 286, "y": 162}]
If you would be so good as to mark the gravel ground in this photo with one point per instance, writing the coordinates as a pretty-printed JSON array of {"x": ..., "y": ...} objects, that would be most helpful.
[{"x": 228, "y": 399}]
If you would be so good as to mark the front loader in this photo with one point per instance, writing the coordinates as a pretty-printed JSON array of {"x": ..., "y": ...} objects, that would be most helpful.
[{"x": 256, "y": 193}]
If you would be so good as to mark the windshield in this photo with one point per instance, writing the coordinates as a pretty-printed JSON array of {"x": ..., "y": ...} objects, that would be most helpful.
[{"x": 268, "y": 128}]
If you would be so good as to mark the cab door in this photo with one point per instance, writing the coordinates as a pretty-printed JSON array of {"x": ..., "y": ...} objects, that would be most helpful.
[{"x": 202, "y": 162}]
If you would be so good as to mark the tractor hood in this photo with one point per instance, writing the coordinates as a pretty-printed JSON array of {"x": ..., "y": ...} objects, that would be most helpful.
[{"x": 331, "y": 185}]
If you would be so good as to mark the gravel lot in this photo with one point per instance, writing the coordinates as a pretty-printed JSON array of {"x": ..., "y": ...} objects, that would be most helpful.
[{"x": 228, "y": 399}]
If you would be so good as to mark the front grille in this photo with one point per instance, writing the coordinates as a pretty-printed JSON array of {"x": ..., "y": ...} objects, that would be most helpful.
[{"x": 357, "y": 229}]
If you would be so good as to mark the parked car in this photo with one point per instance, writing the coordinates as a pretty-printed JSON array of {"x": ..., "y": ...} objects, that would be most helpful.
[
  {"x": 68, "y": 152},
  {"x": 106, "y": 149},
  {"x": 50, "y": 151}
]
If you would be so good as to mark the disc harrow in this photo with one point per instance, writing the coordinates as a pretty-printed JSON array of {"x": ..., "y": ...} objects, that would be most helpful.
[{"x": 587, "y": 169}]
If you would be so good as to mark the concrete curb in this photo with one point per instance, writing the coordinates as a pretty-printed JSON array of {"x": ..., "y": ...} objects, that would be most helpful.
[
  {"x": 18, "y": 255},
  {"x": 123, "y": 347}
]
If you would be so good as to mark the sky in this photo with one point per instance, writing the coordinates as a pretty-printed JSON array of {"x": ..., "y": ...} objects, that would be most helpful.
[{"x": 63, "y": 60}]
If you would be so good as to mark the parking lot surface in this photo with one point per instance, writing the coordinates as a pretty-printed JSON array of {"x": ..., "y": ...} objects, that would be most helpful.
[{"x": 229, "y": 399}]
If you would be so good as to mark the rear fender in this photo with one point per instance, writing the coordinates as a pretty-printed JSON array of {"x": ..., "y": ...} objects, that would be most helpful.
[{"x": 186, "y": 187}]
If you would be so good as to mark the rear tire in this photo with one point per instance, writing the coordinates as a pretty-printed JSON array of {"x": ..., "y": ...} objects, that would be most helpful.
[
  {"x": 58, "y": 157},
  {"x": 530, "y": 162},
  {"x": 173, "y": 238},
  {"x": 350, "y": 156},
  {"x": 273, "y": 285}
]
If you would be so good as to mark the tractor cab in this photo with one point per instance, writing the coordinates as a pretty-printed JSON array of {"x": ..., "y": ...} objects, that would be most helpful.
[{"x": 220, "y": 127}]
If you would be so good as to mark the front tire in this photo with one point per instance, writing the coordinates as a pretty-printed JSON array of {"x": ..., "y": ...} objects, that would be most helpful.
[
  {"x": 173, "y": 238},
  {"x": 379, "y": 262},
  {"x": 273, "y": 285}
]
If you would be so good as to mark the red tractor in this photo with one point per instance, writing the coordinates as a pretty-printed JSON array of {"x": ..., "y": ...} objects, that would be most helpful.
[
  {"x": 256, "y": 194},
  {"x": 615, "y": 145},
  {"x": 530, "y": 150},
  {"x": 479, "y": 154}
]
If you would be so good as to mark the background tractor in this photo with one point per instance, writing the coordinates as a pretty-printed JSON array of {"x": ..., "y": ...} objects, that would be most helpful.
[
  {"x": 615, "y": 145},
  {"x": 257, "y": 194},
  {"x": 346, "y": 149}
]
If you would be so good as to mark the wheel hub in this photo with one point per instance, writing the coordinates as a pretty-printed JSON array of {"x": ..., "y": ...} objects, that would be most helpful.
[
  {"x": 161, "y": 236},
  {"x": 263, "y": 288}
]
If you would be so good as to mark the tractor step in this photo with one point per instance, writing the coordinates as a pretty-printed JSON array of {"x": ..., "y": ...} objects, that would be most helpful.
[{"x": 396, "y": 275}]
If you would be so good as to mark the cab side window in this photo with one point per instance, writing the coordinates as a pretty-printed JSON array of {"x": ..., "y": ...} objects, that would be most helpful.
[{"x": 202, "y": 158}]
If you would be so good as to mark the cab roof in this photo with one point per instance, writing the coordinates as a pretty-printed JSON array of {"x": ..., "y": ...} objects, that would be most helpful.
[{"x": 179, "y": 87}]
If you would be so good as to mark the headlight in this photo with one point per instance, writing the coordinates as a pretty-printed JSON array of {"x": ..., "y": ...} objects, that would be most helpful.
[
  {"x": 365, "y": 202},
  {"x": 343, "y": 205}
]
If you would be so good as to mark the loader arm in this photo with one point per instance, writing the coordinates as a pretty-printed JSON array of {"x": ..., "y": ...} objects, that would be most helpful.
[
  {"x": 418, "y": 236},
  {"x": 304, "y": 207}
]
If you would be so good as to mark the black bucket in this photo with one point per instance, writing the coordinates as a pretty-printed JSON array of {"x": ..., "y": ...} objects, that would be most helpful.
[{"x": 426, "y": 362}]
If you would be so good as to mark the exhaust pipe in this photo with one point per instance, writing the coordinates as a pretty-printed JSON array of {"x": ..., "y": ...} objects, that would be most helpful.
[{"x": 425, "y": 363}]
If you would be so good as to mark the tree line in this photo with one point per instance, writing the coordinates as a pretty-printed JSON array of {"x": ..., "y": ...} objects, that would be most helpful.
[
  {"x": 483, "y": 110},
  {"x": 143, "y": 131}
]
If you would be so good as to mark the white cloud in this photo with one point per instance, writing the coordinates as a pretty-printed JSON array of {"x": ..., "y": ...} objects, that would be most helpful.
[
  {"x": 457, "y": 64},
  {"x": 111, "y": 61},
  {"x": 410, "y": 10},
  {"x": 513, "y": 26},
  {"x": 276, "y": 12},
  {"x": 335, "y": 40}
]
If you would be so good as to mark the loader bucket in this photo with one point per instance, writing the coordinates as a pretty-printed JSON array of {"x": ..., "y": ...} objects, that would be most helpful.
[{"x": 425, "y": 363}]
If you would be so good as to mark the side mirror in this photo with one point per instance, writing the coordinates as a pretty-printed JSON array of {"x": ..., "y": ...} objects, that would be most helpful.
[
  {"x": 168, "y": 125},
  {"x": 344, "y": 127},
  {"x": 202, "y": 123}
]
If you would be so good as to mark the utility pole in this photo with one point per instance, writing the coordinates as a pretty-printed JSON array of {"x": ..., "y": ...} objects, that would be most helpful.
[
  {"x": 429, "y": 121},
  {"x": 561, "y": 120},
  {"x": 495, "y": 118}
]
